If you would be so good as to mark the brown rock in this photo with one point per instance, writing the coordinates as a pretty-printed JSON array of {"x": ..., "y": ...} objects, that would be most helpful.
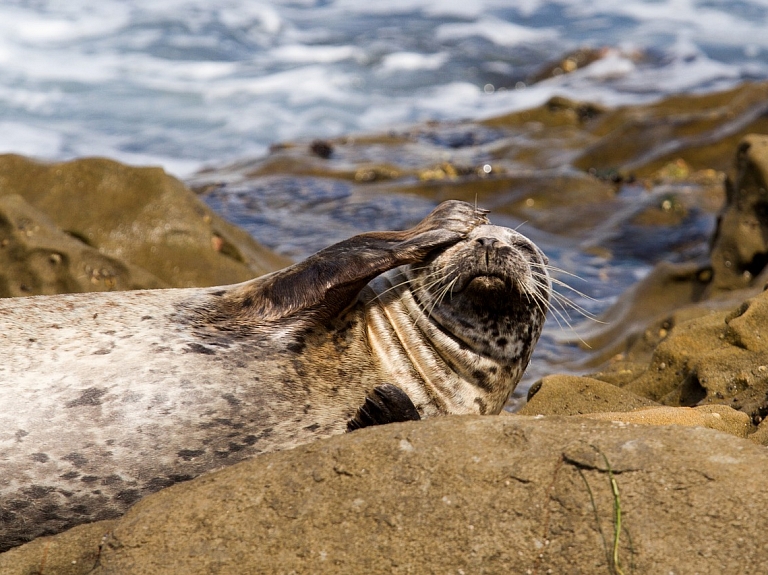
[
  {"x": 75, "y": 552},
  {"x": 740, "y": 245},
  {"x": 718, "y": 358},
  {"x": 664, "y": 303},
  {"x": 37, "y": 258},
  {"x": 574, "y": 395},
  {"x": 720, "y": 417},
  {"x": 140, "y": 217},
  {"x": 472, "y": 494}
]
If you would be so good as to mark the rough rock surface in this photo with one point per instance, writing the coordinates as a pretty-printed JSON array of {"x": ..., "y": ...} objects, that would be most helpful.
[
  {"x": 464, "y": 494},
  {"x": 98, "y": 225},
  {"x": 574, "y": 395}
]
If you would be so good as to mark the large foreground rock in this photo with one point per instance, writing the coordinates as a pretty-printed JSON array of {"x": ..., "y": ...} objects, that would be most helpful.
[{"x": 453, "y": 495}]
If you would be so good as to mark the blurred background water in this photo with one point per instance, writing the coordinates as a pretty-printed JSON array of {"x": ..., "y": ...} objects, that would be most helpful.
[{"x": 192, "y": 83}]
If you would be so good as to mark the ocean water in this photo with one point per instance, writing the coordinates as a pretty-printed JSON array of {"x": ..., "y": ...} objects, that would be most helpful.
[{"x": 192, "y": 83}]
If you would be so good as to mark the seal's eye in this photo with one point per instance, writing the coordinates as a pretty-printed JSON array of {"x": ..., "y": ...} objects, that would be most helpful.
[{"x": 526, "y": 248}]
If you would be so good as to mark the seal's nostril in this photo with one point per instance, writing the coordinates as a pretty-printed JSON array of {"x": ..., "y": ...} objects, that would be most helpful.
[{"x": 487, "y": 242}]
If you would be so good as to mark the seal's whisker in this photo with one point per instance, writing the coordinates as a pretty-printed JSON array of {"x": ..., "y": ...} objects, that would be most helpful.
[
  {"x": 563, "y": 284},
  {"x": 566, "y": 303},
  {"x": 443, "y": 276},
  {"x": 541, "y": 304},
  {"x": 562, "y": 300},
  {"x": 441, "y": 296},
  {"x": 565, "y": 272},
  {"x": 559, "y": 315},
  {"x": 408, "y": 281}
]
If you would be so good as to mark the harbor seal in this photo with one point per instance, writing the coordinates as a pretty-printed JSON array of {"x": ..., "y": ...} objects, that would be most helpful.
[{"x": 109, "y": 397}]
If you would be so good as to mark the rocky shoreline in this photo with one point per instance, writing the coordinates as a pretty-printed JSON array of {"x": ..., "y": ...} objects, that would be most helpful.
[{"x": 683, "y": 350}]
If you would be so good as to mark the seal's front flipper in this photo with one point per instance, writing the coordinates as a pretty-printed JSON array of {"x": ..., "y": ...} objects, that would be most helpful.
[
  {"x": 325, "y": 284},
  {"x": 384, "y": 404}
]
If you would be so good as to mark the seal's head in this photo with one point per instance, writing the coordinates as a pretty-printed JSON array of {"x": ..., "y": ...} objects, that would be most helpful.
[{"x": 490, "y": 290}]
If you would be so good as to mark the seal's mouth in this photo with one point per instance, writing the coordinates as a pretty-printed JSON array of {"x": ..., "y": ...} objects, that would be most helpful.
[{"x": 485, "y": 282}]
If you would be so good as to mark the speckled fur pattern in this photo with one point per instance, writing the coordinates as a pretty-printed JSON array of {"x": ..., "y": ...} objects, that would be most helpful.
[{"x": 106, "y": 398}]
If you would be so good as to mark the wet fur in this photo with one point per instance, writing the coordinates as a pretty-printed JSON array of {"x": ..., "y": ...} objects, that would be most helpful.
[{"x": 109, "y": 397}]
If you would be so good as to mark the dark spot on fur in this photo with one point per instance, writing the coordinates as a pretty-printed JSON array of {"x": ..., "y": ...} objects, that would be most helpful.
[
  {"x": 81, "y": 510},
  {"x": 221, "y": 454},
  {"x": 248, "y": 301},
  {"x": 145, "y": 317},
  {"x": 158, "y": 483},
  {"x": 128, "y": 496},
  {"x": 38, "y": 491},
  {"x": 50, "y": 512},
  {"x": 502, "y": 341},
  {"x": 228, "y": 423},
  {"x": 102, "y": 351},
  {"x": 66, "y": 493},
  {"x": 188, "y": 454},
  {"x": 313, "y": 427},
  {"x": 70, "y": 475},
  {"x": 197, "y": 348},
  {"x": 234, "y": 447},
  {"x": 39, "y": 457},
  {"x": 180, "y": 478},
  {"x": 17, "y": 504},
  {"x": 110, "y": 442},
  {"x": 111, "y": 480},
  {"x": 7, "y": 516},
  {"x": 219, "y": 293},
  {"x": 298, "y": 345},
  {"x": 231, "y": 399},
  {"x": 481, "y": 406},
  {"x": 89, "y": 479},
  {"x": 481, "y": 380},
  {"x": 250, "y": 439},
  {"x": 21, "y": 433},
  {"x": 75, "y": 459},
  {"x": 89, "y": 397}
]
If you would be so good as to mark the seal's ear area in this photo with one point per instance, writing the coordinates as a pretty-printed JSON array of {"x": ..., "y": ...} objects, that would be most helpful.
[{"x": 384, "y": 404}]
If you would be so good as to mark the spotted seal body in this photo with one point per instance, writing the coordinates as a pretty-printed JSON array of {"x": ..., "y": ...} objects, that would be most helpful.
[{"x": 109, "y": 397}]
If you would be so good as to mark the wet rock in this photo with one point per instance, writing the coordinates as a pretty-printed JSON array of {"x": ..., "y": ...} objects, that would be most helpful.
[
  {"x": 472, "y": 494},
  {"x": 740, "y": 243},
  {"x": 131, "y": 227},
  {"x": 676, "y": 292}
]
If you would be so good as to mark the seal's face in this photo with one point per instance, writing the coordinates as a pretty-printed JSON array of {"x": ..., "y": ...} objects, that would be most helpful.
[{"x": 490, "y": 290}]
